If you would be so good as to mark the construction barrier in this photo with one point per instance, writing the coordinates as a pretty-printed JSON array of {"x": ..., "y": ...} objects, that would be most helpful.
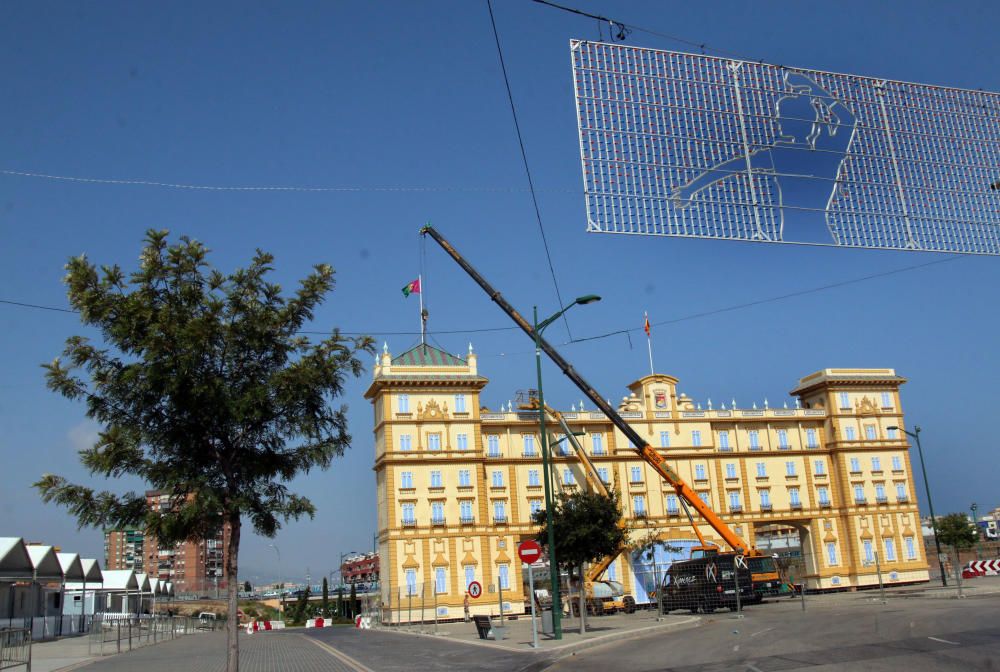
[
  {"x": 318, "y": 623},
  {"x": 258, "y": 626},
  {"x": 363, "y": 622},
  {"x": 981, "y": 568}
]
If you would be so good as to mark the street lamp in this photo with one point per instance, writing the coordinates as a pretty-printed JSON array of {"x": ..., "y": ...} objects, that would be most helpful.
[
  {"x": 539, "y": 327},
  {"x": 975, "y": 526},
  {"x": 930, "y": 504},
  {"x": 281, "y": 579}
]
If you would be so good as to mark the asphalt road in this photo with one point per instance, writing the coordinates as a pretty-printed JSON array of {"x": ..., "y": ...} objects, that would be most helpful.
[{"x": 846, "y": 633}]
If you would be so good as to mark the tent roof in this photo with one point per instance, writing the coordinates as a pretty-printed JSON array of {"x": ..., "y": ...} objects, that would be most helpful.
[
  {"x": 14, "y": 560},
  {"x": 91, "y": 570},
  {"x": 155, "y": 586},
  {"x": 71, "y": 567},
  {"x": 45, "y": 563},
  {"x": 168, "y": 588},
  {"x": 120, "y": 579},
  {"x": 143, "y": 580}
]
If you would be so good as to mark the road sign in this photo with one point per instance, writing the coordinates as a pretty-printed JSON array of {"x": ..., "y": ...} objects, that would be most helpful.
[
  {"x": 475, "y": 589},
  {"x": 529, "y": 551}
]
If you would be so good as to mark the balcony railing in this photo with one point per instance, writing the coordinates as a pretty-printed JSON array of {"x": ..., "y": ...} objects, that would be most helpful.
[
  {"x": 902, "y": 498},
  {"x": 795, "y": 506},
  {"x": 860, "y": 500},
  {"x": 824, "y": 504},
  {"x": 640, "y": 514},
  {"x": 499, "y": 520},
  {"x": 673, "y": 512},
  {"x": 766, "y": 507},
  {"x": 468, "y": 520},
  {"x": 438, "y": 522},
  {"x": 529, "y": 453},
  {"x": 882, "y": 499},
  {"x": 735, "y": 508},
  {"x": 409, "y": 523}
]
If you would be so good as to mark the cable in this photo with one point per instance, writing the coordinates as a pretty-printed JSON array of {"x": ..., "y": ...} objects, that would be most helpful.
[{"x": 527, "y": 169}]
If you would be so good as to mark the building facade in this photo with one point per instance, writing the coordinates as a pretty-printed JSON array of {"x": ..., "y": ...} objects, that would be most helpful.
[
  {"x": 457, "y": 483},
  {"x": 360, "y": 569},
  {"x": 125, "y": 549}
]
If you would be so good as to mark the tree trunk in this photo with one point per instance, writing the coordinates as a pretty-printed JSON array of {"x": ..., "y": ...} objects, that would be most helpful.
[{"x": 232, "y": 584}]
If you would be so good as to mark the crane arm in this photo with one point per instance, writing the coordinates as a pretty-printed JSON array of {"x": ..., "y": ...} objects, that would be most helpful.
[{"x": 644, "y": 450}]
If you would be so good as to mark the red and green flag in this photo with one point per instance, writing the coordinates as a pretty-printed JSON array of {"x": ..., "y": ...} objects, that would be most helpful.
[{"x": 412, "y": 287}]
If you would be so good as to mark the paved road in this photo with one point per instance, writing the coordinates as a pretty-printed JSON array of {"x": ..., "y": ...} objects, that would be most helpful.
[{"x": 851, "y": 633}]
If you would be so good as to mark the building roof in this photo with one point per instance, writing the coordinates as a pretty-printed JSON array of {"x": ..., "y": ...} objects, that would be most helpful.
[
  {"x": 838, "y": 377},
  {"x": 91, "y": 570},
  {"x": 44, "y": 563},
  {"x": 71, "y": 567},
  {"x": 142, "y": 579},
  {"x": 14, "y": 561},
  {"x": 120, "y": 579},
  {"x": 427, "y": 355}
]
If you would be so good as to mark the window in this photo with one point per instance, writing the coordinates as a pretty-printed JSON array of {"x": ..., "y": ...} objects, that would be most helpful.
[
  {"x": 789, "y": 468},
  {"x": 535, "y": 505},
  {"x": 811, "y": 441},
  {"x": 460, "y": 403},
  {"x": 404, "y": 403},
  {"x": 404, "y": 442},
  {"x": 411, "y": 582},
  {"x": 436, "y": 479},
  {"x": 859, "y": 494},
  {"x": 892, "y": 433},
  {"x": 408, "y": 514},
  {"x": 434, "y": 442},
  {"x": 724, "y": 440},
  {"x": 563, "y": 444},
  {"x": 672, "y": 504},
  {"x": 568, "y": 477},
  {"x": 897, "y": 463},
  {"x": 602, "y": 473},
  {"x": 869, "y": 551},
  {"x": 754, "y": 439},
  {"x": 613, "y": 571},
  {"x": 901, "y": 492},
  {"x": 793, "y": 496},
  {"x": 406, "y": 480},
  {"x": 437, "y": 512},
  {"x": 639, "y": 505},
  {"x": 597, "y": 444},
  {"x": 783, "y": 439},
  {"x": 500, "y": 511},
  {"x": 635, "y": 475},
  {"x": 880, "y": 493},
  {"x": 890, "y": 549},
  {"x": 497, "y": 479},
  {"x": 845, "y": 401},
  {"x": 464, "y": 478},
  {"x": 734, "y": 501},
  {"x": 765, "y": 499},
  {"x": 855, "y": 464},
  {"x": 911, "y": 549},
  {"x": 824, "y": 496},
  {"x": 730, "y": 470},
  {"x": 699, "y": 472},
  {"x": 493, "y": 445},
  {"x": 696, "y": 438},
  {"x": 819, "y": 467},
  {"x": 870, "y": 432},
  {"x": 850, "y": 434},
  {"x": 886, "y": 400},
  {"x": 664, "y": 439},
  {"x": 761, "y": 470},
  {"x": 533, "y": 477},
  {"x": 466, "y": 511},
  {"x": 505, "y": 577},
  {"x": 704, "y": 497},
  {"x": 470, "y": 574},
  {"x": 831, "y": 553},
  {"x": 439, "y": 583},
  {"x": 876, "y": 464},
  {"x": 463, "y": 441}
]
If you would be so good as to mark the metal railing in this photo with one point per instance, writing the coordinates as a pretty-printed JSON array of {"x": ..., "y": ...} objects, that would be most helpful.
[
  {"x": 15, "y": 648},
  {"x": 113, "y": 633}
]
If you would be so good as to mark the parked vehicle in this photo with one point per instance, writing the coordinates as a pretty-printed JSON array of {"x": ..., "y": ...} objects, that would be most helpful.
[{"x": 706, "y": 584}]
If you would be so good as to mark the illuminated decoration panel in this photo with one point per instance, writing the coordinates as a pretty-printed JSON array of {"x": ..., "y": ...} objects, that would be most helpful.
[{"x": 677, "y": 144}]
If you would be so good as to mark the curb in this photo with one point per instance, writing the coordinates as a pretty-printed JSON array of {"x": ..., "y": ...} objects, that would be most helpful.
[{"x": 562, "y": 649}]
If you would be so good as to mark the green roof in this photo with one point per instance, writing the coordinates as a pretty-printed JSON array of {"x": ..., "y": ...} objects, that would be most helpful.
[{"x": 427, "y": 355}]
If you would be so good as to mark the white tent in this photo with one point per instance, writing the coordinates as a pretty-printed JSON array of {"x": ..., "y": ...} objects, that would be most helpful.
[
  {"x": 92, "y": 570},
  {"x": 15, "y": 565},
  {"x": 44, "y": 563},
  {"x": 81, "y": 596},
  {"x": 121, "y": 588},
  {"x": 72, "y": 568}
]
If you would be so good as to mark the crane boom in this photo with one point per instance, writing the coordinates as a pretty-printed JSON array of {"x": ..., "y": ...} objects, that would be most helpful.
[{"x": 644, "y": 450}]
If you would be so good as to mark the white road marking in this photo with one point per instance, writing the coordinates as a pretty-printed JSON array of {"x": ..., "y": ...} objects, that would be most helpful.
[
  {"x": 944, "y": 641},
  {"x": 340, "y": 655},
  {"x": 752, "y": 667},
  {"x": 761, "y": 632}
]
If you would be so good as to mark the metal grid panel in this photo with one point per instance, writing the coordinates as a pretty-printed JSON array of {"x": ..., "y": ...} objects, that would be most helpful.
[{"x": 678, "y": 144}]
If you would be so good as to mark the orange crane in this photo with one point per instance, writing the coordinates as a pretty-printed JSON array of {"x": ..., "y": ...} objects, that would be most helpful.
[{"x": 762, "y": 566}]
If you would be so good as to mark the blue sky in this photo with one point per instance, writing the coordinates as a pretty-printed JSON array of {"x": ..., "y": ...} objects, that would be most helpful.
[{"x": 380, "y": 96}]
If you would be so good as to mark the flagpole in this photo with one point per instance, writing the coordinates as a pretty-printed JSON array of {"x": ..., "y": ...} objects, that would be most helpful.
[
  {"x": 649, "y": 345},
  {"x": 423, "y": 319}
]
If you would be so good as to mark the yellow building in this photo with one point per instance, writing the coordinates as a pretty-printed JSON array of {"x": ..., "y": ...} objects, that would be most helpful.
[{"x": 456, "y": 482}]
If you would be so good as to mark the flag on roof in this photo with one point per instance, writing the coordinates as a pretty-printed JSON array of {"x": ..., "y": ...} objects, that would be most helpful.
[
  {"x": 412, "y": 287},
  {"x": 645, "y": 326}
]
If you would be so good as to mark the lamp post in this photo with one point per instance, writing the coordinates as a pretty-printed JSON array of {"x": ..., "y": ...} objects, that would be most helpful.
[
  {"x": 975, "y": 526},
  {"x": 930, "y": 504},
  {"x": 538, "y": 328},
  {"x": 281, "y": 580}
]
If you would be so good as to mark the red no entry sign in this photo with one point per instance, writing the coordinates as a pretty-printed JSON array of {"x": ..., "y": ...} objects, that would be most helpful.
[
  {"x": 529, "y": 551},
  {"x": 475, "y": 589}
]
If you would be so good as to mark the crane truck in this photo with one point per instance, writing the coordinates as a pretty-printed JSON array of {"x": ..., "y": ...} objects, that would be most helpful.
[{"x": 762, "y": 566}]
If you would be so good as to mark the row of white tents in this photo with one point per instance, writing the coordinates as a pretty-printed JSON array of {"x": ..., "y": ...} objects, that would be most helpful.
[{"x": 60, "y": 591}]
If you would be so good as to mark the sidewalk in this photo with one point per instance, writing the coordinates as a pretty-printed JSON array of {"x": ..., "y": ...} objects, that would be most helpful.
[
  {"x": 65, "y": 654},
  {"x": 600, "y": 630}
]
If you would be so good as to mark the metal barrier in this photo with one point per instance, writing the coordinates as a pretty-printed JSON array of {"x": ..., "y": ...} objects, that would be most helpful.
[
  {"x": 115, "y": 633},
  {"x": 15, "y": 648}
]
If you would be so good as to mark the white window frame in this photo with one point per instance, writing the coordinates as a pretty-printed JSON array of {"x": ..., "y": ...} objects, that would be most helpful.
[
  {"x": 440, "y": 581},
  {"x": 793, "y": 497},
  {"x": 824, "y": 494},
  {"x": 897, "y": 463},
  {"x": 635, "y": 475},
  {"x": 597, "y": 444},
  {"x": 460, "y": 403},
  {"x": 496, "y": 479},
  {"x": 696, "y": 438},
  {"x": 724, "y": 439},
  {"x": 403, "y": 403},
  {"x": 436, "y": 479},
  {"x": 761, "y": 470},
  {"x": 406, "y": 480},
  {"x": 664, "y": 439},
  {"x": 783, "y": 439},
  {"x": 405, "y": 442},
  {"x": 754, "y": 436},
  {"x": 819, "y": 467},
  {"x": 464, "y": 478},
  {"x": 503, "y": 576},
  {"x": 911, "y": 548},
  {"x": 463, "y": 441},
  {"x": 831, "y": 553},
  {"x": 493, "y": 445},
  {"x": 533, "y": 478},
  {"x": 730, "y": 470},
  {"x": 790, "y": 468},
  {"x": 889, "y": 544},
  {"x": 699, "y": 472},
  {"x": 812, "y": 440}
]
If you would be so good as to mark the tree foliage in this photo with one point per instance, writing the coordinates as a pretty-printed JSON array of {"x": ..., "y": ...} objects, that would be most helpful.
[
  {"x": 586, "y": 527},
  {"x": 956, "y": 531},
  {"x": 205, "y": 389}
]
